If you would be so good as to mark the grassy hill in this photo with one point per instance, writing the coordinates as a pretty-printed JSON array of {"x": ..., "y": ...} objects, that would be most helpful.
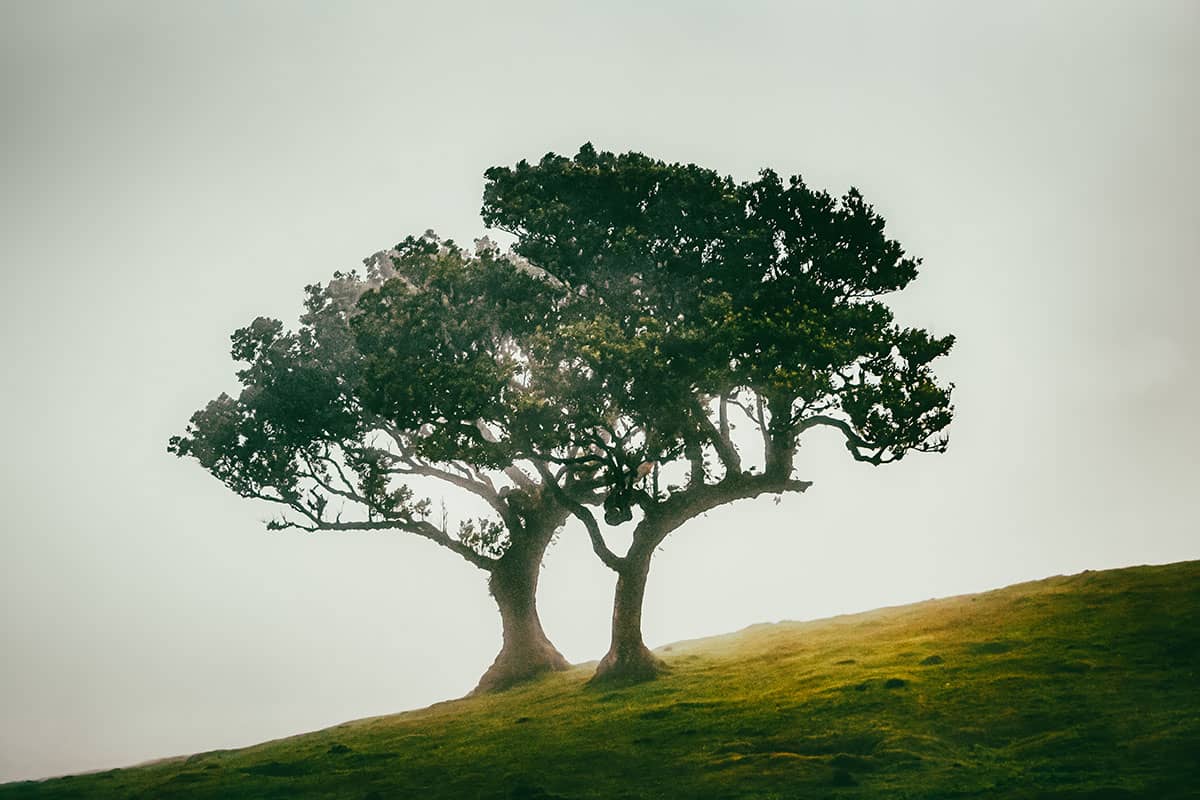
[{"x": 1072, "y": 687}]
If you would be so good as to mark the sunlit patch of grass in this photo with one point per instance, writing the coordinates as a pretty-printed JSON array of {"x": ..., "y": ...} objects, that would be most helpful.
[{"x": 1073, "y": 687}]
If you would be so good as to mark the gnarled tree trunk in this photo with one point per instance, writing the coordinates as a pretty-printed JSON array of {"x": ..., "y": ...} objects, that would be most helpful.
[
  {"x": 526, "y": 651},
  {"x": 628, "y": 659}
]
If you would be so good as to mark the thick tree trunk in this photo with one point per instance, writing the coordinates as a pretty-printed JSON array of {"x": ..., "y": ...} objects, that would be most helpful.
[
  {"x": 628, "y": 659},
  {"x": 526, "y": 652}
]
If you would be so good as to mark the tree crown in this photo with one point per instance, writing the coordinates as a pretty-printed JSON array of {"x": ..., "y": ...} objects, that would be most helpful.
[{"x": 643, "y": 306}]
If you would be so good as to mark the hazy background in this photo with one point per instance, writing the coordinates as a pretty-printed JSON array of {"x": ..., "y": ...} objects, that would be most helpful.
[{"x": 172, "y": 170}]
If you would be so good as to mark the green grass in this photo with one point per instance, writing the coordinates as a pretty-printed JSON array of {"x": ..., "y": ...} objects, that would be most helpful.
[{"x": 1072, "y": 687}]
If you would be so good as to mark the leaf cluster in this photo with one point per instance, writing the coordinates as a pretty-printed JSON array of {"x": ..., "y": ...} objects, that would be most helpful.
[{"x": 685, "y": 286}]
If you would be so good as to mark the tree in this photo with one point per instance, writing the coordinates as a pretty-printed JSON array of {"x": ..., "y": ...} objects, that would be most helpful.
[
  {"x": 645, "y": 310},
  {"x": 334, "y": 433},
  {"x": 693, "y": 300}
]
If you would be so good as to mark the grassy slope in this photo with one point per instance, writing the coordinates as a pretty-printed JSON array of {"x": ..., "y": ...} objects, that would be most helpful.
[{"x": 1072, "y": 687}]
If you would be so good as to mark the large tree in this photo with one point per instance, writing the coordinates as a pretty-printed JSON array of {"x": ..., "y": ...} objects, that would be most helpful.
[
  {"x": 334, "y": 434},
  {"x": 646, "y": 310},
  {"x": 692, "y": 301}
]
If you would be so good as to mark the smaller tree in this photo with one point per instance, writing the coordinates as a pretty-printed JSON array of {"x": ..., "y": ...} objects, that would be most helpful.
[
  {"x": 336, "y": 419},
  {"x": 692, "y": 300}
]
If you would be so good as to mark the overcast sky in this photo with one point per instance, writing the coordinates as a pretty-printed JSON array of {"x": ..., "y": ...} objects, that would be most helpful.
[{"x": 172, "y": 170}]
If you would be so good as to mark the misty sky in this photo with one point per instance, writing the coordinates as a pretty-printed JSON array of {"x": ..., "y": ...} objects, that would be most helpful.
[{"x": 173, "y": 170}]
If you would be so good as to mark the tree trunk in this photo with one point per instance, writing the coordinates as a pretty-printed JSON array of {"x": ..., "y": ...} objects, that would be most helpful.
[
  {"x": 628, "y": 659},
  {"x": 526, "y": 652}
]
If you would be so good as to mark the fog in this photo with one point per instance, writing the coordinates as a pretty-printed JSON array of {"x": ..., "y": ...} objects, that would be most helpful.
[{"x": 172, "y": 171}]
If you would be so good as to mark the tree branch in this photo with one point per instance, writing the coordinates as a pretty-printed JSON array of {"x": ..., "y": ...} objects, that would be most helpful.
[
  {"x": 410, "y": 466},
  {"x": 693, "y": 501},
  {"x": 421, "y": 528},
  {"x": 439, "y": 536},
  {"x": 760, "y": 419},
  {"x": 721, "y": 441},
  {"x": 347, "y": 493},
  {"x": 467, "y": 478},
  {"x": 695, "y": 456},
  {"x": 610, "y": 559},
  {"x": 854, "y": 443},
  {"x": 318, "y": 522}
]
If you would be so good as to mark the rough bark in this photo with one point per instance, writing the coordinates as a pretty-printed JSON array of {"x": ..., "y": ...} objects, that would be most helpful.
[
  {"x": 526, "y": 651},
  {"x": 628, "y": 659}
]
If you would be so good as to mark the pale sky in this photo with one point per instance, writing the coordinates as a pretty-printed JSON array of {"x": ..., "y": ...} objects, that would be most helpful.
[{"x": 173, "y": 170}]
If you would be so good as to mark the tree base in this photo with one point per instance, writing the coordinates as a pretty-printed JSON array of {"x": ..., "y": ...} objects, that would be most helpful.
[
  {"x": 517, "y": 665},
  {"x": 637, "y": 666}
]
